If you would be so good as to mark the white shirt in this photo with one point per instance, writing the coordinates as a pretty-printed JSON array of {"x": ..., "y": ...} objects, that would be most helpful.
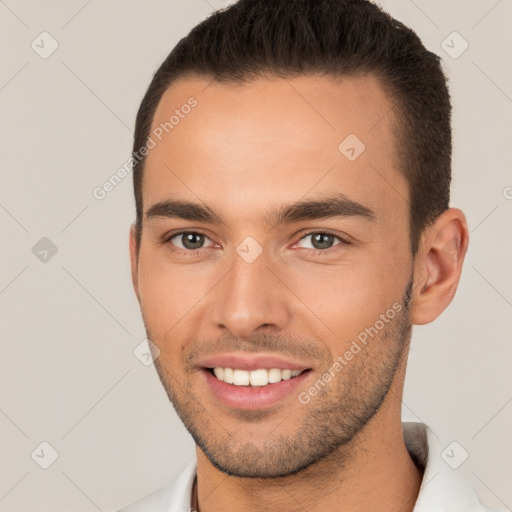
[{"x": 443, "y": 489}]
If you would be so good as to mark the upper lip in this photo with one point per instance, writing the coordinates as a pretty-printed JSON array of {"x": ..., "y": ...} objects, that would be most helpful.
[{"x": 251, "y": 362}]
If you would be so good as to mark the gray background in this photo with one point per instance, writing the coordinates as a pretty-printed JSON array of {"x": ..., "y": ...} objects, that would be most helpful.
[{"x": 70, "y": 321}]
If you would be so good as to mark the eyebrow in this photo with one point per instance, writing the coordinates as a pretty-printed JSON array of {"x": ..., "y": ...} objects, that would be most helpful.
[{"x": 337, "y": 205}]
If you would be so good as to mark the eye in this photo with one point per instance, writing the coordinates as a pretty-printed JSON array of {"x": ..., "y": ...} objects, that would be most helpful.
[
  {"x": 320, "y": 240},
  {"x": 189, "y": 240}
]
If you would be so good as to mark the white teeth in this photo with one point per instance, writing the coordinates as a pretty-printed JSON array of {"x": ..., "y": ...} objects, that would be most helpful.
[
  {"x": 287, "y": 374},
  {"x": 240, "y": 378},
  {"x": 260, "y": 377},
  {"x": 274, "y": 375},
  {"x": 228, "y": 375}
]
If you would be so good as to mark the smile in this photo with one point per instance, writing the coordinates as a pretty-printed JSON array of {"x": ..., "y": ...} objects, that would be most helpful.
[{"x": 255, "y": 378}]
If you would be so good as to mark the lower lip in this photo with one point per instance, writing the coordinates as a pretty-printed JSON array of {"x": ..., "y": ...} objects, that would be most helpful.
[{"x": 253, "y": 398}]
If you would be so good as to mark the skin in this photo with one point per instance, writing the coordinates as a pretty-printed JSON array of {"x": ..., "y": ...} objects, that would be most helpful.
[{"x": 245, "y": 151}]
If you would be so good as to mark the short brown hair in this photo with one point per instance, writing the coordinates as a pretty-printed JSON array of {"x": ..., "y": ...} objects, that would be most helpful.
[{"x": 286, "y": 38}]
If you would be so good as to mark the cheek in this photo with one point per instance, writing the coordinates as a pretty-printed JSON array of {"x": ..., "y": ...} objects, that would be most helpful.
[
  {"x": 172, "y": 295},
  {"x": 341, "y": 300},
  {"x": 345, "y": 299},
  {"x": 166, "y": 294}
]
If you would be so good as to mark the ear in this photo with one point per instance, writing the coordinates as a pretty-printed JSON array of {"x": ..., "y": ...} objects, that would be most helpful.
[
  {"x": 134, "y": 260},
  {"x": 438, "y": 265}
]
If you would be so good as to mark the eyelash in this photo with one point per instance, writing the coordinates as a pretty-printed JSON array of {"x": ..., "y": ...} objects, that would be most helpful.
[
  {"x": 191, "y": 253},
  {"x": 325, "y": 232}
]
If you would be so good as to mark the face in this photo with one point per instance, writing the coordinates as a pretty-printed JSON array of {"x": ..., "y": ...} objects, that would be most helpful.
[{"x": 275, "y": 248}]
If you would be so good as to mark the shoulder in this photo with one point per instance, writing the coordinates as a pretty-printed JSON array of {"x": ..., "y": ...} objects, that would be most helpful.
[
  {"x": 173, "y": 497},
  {"x": 444, "y": 487}
]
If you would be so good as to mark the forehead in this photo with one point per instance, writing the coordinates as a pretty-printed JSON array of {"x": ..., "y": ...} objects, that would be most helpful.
[{"x": 239, "y": 144}]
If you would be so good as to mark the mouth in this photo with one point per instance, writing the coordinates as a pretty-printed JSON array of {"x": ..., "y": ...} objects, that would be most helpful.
[
  {"x": 254, "y": 378},
  {"x": 238, "y": 381}
]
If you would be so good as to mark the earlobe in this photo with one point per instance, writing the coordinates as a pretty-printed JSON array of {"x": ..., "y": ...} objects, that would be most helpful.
[
  {"x": 438, "y": 266},
  {"x": 134, "y": 260}
]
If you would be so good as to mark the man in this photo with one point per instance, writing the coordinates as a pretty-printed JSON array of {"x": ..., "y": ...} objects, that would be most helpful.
[{"x": 292, "y": 165}]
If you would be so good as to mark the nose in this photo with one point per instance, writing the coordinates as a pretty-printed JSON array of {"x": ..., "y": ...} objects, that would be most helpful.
[{"x": 249, "y": 298}]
